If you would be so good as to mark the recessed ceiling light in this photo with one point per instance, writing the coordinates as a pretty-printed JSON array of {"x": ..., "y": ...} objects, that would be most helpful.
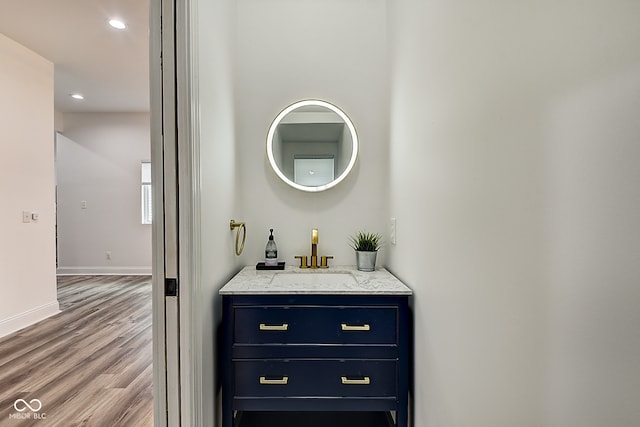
[
  {"x": 117, "y": 24},
  {"x": 77, "y": 96}
]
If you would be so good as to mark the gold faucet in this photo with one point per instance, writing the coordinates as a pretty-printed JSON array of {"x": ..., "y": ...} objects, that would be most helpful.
[
  {"x": 314, "y": 254},
  {"x": 314, "y": 248}
]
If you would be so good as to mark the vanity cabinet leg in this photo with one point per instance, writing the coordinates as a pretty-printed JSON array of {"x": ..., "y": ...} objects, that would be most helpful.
[
  {"x": 226, "y": 365},
  {"x": 227, "y": 413},
  {"x": 401, "y": 417}
]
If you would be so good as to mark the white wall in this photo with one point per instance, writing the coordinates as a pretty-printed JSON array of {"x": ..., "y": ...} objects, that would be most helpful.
[
  {"x": 218, "y": 194},
  {"x": 98, "y": 161},
  {"x": 594, "y": 226},
  {"x": 519, "y": 126},
  {"x": 288, "y": 50},
  {"x": 27, "y": 250}
]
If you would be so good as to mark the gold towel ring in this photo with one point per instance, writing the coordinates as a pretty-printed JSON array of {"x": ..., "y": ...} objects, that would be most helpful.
[{"x": 239, "y": 225}]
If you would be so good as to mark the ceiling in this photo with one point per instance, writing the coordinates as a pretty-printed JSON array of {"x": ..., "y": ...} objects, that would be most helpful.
[{"x": 109, "y": 67}]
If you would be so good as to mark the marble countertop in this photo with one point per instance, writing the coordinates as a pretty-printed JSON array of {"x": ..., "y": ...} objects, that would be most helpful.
[{"x": 261, "y": 282}]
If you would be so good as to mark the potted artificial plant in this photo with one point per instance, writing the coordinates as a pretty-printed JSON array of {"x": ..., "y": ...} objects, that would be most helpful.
[{"x": 366, "y": 246}]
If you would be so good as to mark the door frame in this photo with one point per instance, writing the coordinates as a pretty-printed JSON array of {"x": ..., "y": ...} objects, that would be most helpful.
[
  {"x": 157, "y": 178},
  {"x": 178, "y": 71}
]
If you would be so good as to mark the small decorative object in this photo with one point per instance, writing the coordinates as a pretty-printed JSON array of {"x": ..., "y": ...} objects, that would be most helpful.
[{"x": 366, "y": 246}]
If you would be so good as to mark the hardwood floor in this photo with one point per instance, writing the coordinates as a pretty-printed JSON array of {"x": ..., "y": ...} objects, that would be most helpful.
[{"x": 90, "y": 365}]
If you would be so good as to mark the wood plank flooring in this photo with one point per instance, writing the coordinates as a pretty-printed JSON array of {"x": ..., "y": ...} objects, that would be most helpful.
[{"x": 90, "y": 365}]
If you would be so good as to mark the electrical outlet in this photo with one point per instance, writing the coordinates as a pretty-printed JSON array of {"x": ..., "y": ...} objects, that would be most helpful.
[
  {"x": 35, "y": 216},
  {"x": 107, "y": 255},
  {"x": 392, "y": 231},
  {"x": 26, "y": 216},
  {"x": 83, "y": 204}
]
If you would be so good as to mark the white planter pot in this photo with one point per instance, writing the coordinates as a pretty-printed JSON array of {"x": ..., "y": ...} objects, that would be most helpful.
[{"x": 365, "y": 260}]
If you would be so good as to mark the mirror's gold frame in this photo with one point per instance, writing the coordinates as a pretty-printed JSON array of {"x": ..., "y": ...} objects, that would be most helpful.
[{"x": 343, "y": 116}]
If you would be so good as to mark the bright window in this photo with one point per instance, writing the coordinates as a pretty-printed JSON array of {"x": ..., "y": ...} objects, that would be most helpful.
[{"x": 147, "y": 211}]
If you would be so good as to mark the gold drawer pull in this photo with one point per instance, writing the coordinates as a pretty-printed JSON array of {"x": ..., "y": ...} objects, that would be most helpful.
[
  {"x": 364, "y": 381},
  {"x": 364, "y": 327},
  {"x": 265, "y": 327},
  {"x": 280, "y": 381}
]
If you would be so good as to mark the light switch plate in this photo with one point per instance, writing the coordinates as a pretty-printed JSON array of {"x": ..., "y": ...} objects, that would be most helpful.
[{"x": 392, "y": 231}]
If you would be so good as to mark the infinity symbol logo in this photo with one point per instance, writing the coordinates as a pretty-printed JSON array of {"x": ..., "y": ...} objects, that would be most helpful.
[{"x": 21, "y": 405}]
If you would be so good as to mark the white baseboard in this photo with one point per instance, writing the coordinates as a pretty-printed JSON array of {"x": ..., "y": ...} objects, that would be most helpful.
[
  {"x": 103, "y": 271},
  {"x": 29, "y": 317}
]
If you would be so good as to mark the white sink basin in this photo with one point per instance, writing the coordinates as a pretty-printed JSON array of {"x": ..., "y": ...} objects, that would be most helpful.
[{"x": 306, "y": 279}]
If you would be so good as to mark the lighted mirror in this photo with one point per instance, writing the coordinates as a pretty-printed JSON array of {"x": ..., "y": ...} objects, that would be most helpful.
[{"x": 312, "y": 145}]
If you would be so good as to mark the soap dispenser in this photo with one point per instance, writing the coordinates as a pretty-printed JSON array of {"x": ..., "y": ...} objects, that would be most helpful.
[{"x": 271, "y": 252}]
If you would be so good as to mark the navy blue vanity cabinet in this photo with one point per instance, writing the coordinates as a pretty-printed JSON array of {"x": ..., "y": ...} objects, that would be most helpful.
[{"x": 315, "y": 353}]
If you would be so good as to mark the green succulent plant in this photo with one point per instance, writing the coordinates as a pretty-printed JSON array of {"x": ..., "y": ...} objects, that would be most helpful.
[{"x": 364, "y": 241}]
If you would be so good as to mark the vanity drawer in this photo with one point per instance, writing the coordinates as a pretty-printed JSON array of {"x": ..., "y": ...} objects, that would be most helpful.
[
  {"x": 315, "y": 324},
  {"x": 315, "y": 378}
]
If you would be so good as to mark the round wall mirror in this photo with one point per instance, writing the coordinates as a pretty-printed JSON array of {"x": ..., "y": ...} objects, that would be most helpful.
[{"x": 312, "y": 145}]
